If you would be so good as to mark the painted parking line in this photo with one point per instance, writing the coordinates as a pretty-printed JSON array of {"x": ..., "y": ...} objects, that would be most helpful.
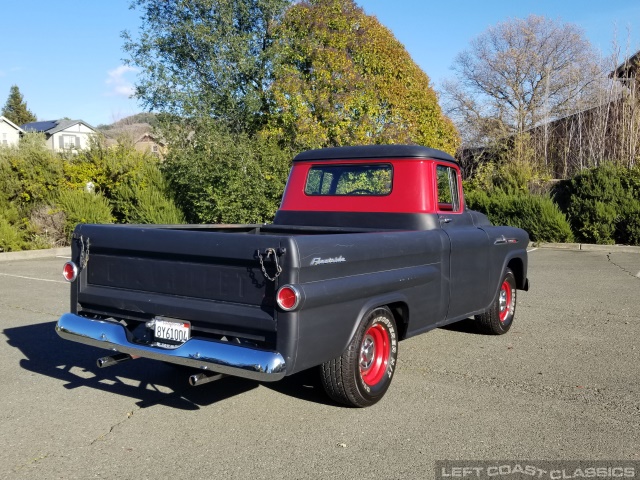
[
  {"x": 532, "y": 250},
  {"x": 62, "y": 256},
  {"x": 32, "y": 278}
]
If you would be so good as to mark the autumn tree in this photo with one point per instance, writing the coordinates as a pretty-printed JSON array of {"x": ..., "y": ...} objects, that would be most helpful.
[
  {"x": 16, "y": 108},
  {"x": 342, "y": 78},
  {"x": 519, "y": 74},
  {"x": 205, "y": 58}
]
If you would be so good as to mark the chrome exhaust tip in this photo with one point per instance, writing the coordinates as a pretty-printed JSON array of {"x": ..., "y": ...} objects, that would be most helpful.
[
  {"x": 202, "y": 378},
  {"x": 105, "y": 362}
]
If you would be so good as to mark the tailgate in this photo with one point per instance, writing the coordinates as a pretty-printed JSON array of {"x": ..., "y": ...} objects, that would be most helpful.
[{"x": 211, "y": 278}]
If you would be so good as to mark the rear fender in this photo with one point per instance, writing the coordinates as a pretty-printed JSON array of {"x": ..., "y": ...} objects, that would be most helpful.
[
  {"x": 517, "y": 262},
  {"x": 372, "y": 304}
]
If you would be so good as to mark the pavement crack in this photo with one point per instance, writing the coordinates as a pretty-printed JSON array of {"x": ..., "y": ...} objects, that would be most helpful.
[
  {"x": 33, "y": 461},
  {"x": 622, "y": 268},
  {"x": 111, "y": 429}
]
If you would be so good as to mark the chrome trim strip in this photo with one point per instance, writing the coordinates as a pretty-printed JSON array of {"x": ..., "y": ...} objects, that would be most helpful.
[{"x": 222, "y": 357}]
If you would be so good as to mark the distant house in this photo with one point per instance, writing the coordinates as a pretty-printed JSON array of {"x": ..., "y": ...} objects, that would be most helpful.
[
  {"x": 9, "y": 132},
  {"x": 627, "y": 70},
  {"x": 151, "y": 144},
  {"x": 63, "y": 135},
  {"x": 608, "y": 131}
]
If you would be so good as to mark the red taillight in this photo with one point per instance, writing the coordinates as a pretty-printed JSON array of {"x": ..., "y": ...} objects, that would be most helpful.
[
  {"x": 69, "y": 271},
  {"x": 288, "y": 297}
]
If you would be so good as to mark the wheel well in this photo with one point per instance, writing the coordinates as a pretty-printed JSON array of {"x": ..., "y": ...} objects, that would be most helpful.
[
  {"x": 400, "y": 313},
  {"x": 516, "y": 266}
]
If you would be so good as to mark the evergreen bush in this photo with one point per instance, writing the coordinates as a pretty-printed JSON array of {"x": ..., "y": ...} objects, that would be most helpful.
[
  {"x": 29, "y": 173},
  {"x": 221, "y": 177},
  {"x": 11, "y": 238},
  {"x": 603, "y": 205},
  {"x": 536, "y": 214},
  {"x": 130, "y": 180},
  {"x": 83, "y": 207}
]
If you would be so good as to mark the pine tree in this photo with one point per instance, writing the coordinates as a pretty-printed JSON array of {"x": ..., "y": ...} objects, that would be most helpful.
[{"x": 16, "y": 108}]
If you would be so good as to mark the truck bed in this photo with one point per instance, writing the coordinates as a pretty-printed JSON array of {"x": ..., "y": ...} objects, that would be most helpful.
[{"x": 211, "y": 276}]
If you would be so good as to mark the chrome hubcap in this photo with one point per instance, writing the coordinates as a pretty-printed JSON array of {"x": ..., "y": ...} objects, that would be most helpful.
[
  {"x": 367, "y": 352},
  {"x": 503, "y": 300}
]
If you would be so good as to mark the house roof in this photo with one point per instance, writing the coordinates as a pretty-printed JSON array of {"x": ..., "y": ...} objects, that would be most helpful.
[
  {"x": 6, "y": 120},
  {"x": 52, "y": 126},
  {"x": 151, "y": 137},
  {"x": 626, "y": 68}
]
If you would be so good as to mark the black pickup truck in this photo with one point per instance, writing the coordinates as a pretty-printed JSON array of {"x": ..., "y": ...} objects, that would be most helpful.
[{"x": 371, "y": 245}]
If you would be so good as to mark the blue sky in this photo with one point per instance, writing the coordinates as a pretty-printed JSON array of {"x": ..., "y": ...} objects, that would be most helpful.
[{"x": 66, "y": 56}]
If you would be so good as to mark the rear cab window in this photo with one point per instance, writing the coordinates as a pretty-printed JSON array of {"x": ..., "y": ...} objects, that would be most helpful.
[
  {"x": 350, "y": 180},
  {"x": 448, "y": 189}
]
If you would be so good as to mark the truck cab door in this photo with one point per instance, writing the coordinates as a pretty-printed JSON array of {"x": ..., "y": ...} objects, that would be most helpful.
[{"x": 469, "y": 255}]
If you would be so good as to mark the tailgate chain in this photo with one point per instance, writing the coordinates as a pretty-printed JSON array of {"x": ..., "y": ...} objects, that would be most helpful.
[
  {"x": 84, "y": 252},
  {"x": 268, "y": 253}
]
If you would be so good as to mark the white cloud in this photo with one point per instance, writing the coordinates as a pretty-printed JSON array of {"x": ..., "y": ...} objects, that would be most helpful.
[{"x": 118, "y": 84}]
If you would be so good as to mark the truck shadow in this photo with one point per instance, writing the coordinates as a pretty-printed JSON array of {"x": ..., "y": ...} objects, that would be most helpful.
[
  {"x": 305, "y": 385},
  {"x": 147, "y": 381},
  {"x": 468, "y": 325}
]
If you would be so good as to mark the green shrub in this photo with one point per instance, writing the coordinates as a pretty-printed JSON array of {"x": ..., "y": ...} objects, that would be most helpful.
[
  {"x": 11, "y": 238},
  {"x": 130, "y": 180},
  {"x": 29, "y": 173},
  {"x": 144, "y": 198},
  {"x": 536, "y": 214},
  {"x": 603, "y": 205},
  {"x": 628, "y": 226},
  {"x": 219, "y": 177},
  {"x": 83, "y": 207},
  {"x": 150, "y": 206}
]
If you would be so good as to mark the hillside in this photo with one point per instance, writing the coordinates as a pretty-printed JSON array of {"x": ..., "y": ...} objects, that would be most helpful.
[{"x": 132, "y": 127}]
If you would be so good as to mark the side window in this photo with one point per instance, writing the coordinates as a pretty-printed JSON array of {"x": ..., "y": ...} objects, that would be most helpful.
[{"x": 447, "y": 186}]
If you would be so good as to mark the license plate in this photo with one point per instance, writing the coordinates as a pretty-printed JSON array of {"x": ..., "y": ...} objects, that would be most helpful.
[{"x": 176, "y": 331}]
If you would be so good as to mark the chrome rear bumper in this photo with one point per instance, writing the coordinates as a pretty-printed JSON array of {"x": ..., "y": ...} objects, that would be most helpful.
[{"x": 217, "y": 356}]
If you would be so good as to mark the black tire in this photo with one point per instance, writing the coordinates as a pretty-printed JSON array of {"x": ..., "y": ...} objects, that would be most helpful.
[
  {"x": 362, "y": 374},
  {"x": 497, "y": 320}
]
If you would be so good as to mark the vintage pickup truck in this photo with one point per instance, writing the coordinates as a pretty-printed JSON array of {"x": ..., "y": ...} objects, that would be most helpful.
[{"x": 371, "y": 245}]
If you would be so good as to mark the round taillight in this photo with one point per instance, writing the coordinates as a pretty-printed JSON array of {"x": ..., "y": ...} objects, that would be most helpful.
[
  {"x": 69, "y": 271},
  {"x": 288, "y": 297}
]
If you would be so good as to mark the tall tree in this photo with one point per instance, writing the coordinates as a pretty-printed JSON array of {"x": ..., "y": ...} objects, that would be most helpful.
[
  {"x": 518, "y": 74},
  {"x": 206, "y": 58},
  {"x": 16, "y": 108},
  {"x": 342, "y": 78}
]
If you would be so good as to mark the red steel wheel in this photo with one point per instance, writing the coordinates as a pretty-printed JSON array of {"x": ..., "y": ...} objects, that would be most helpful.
[
  {"x": 362, "y": 374},
  {"x": 504, "y": 300},
  {"x": 498, "y": 318},
  {"x": 374, "y": 354}
]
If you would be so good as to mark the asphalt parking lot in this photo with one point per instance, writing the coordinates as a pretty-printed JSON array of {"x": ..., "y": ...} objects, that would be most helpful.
[{"x": 562, "y": 384}]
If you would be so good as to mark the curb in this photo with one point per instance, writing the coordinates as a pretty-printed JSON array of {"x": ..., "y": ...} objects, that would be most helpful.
[
  {"x": 29, "y": 254},
  {"x": 588, "y": 247}
]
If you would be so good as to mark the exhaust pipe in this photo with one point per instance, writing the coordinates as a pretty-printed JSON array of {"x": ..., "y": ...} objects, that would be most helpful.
[
  {"x": 202, "y": 378},
  {"x": 105, "y": 362}
]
